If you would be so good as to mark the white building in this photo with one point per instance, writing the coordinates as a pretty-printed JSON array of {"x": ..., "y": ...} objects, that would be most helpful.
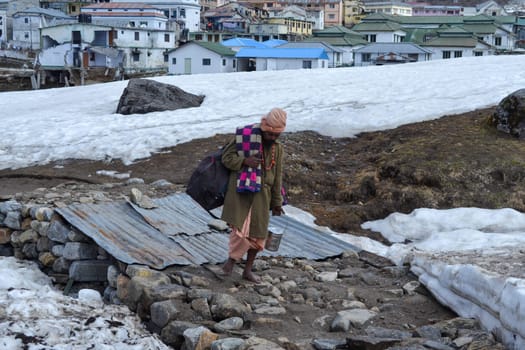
[
  {"x": 197, "y": 57},
  {"x": 26, "y": 25},
  {"x": 185, "y": 12},
  {"x": 396, "y": 8},
  {"x": 391, "y": 53},
  {"x": 3, "y": 26},
  {"x": 83, "y": 45},
  {"x": 133, "y": 15},
  {"x": 281, "y": 59}
]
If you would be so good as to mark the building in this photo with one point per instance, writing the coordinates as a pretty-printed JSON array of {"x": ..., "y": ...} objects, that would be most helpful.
[
  {"x": 457, "y": 42},
  {"x": 496, "y": 31},
  {"x": 335, "y": 55},
  {"x": 422, "y": 9},
  {"x": 3, "y": 27},
  {"x": 341, "y": 38},
  {"x": 197, "y": 57},
  {"x": 26, "y": 25},
  {"x": 79, "y": 47},
  {"x": 353, "y": 12},
  {"x": 391, "y": 53},
  {"x": 395, "y": 8},
  {"x": 124, "y": 14},
  {"x": 281, "y": 58},
  {"x": 186, "y": 13}
]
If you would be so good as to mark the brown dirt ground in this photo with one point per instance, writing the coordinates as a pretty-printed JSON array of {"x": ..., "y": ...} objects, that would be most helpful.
[{"x": 452, "y": 161}]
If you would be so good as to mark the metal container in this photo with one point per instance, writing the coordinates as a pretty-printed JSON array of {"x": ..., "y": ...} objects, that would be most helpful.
[{"x": 273, "y": 241}]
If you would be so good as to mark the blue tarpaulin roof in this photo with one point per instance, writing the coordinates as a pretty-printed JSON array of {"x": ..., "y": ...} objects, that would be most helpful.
[
  {"x": 243, "y": 42},
  {"x": 318, "y": 53}
]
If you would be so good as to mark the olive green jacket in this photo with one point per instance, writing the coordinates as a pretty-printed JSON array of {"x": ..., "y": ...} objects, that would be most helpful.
[{"x": 237, "y": 205}]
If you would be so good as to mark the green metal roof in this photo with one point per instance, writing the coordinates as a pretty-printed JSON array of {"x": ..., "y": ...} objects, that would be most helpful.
[
  {"x": 336, "y": 31},
  {"x": 377, "y": 27},
  {"x": 215, "y": 47},
  {"x": 452, "y": 42},
  {"x": 338, "y": 41},
  {"x": 481, "y": 28}
]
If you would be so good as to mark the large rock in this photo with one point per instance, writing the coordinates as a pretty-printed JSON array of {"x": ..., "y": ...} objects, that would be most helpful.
[
  {"x": 143, "y": 96},
  {"x": 509, "y": 116}
]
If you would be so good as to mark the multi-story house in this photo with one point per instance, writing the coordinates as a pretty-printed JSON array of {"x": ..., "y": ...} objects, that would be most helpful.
[
  {"x": 3, "y": 26},
  {"x": 396, "y": 8},
  {"x": 353, "y": 12},
  {"x": 422, "y": 9},
  {"x": 315, "y": 16},
  {"x": 232, "y": 17},
  {"x": 186, "y": 13},
  {"x": 489, "y": 8},
  {"x": 80, "y": 47},
  {"x": 124, "y": 15},
  {"x": 26, "y": 25}
]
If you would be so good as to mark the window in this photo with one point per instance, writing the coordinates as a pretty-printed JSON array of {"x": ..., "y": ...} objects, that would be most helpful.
[
  {"x": 366, "y": 57},
  {"x": 137, "y": 36},
  {"x": 307, "y": 64},
  {"x": 92, "y": 56},
  {"x": 166, "y": 57},
  {"x": 174, "y": 60},
  {"x": 371, "y": 38},
  {"x": 73, "y": 8},
  {"x": 446, "y": 54},
  {"x": 143, "y": 24},
  {"x": 497, "y": 41},
  {"x": 206, "y": 61},
  {"x": 183, "y": 13},
  {"x": 478, "y": 53},
  {"x": 135, "y": 56},
  {"x": 331, "y": 16},
  {"x": 332, "y": 6},
  {"x": 26, "y": 20},
  {"x": 167, "y": 38},
  {"x": 132, "y": 23},
  {"x": 234, "y": 63},
  {"x": 115, "y": 34},
  {"x": 458, "y": 54},
  {"x": 26, "y": 35},
  {"x": 76, "y": 37},
  {"x": 223, "y": 61}
]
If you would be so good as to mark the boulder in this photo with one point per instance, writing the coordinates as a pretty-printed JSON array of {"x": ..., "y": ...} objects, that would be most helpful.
[
  {"x": 142, "y": 96},
  {"x": 509, "y": 116}
]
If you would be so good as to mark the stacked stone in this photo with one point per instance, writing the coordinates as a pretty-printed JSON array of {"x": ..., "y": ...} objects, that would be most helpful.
[
  {"x": 35, "y": 232},
  {"x": 187, "y": 314}
]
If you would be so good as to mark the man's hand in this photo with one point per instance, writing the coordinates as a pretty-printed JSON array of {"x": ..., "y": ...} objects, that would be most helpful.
[
  {"x": 252, "y": 161},
  {"x": 277, "y": 210}
]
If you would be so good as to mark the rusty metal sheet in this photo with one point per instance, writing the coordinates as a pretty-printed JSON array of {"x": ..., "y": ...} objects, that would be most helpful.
[{"x": 124, "y": 234}]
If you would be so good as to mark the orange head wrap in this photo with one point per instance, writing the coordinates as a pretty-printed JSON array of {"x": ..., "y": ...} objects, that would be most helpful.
[{"x": 274, "y": 121}]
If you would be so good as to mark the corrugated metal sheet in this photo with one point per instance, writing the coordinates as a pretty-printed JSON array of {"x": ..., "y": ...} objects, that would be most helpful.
[
  {"x": 177, "y": 233},
  {"x": 125, "y": 235},
  {"x": 176, "y": 214}
]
